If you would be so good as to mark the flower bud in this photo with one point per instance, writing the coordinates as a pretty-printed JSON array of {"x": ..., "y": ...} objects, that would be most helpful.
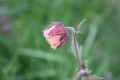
[{"x": 56, "y": 35}]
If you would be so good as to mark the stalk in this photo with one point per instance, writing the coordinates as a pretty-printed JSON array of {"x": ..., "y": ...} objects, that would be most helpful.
[{"x": 75, "y": 44}]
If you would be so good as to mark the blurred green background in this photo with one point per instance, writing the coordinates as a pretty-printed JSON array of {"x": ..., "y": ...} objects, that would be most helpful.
[{"x": 25, "y": 54}]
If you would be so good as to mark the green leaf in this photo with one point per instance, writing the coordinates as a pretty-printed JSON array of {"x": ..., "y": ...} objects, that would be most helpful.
[
  {"x": 80, "y": 24},
  {"x": 42, "y": 55},
  {"x": 72, "y": 48},
  {"x": 85, "y": 62},
  {"x": 42, "y": 73}
]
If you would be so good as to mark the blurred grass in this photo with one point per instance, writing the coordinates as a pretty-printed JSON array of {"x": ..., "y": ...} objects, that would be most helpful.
[{"x": 25, "y": 55}]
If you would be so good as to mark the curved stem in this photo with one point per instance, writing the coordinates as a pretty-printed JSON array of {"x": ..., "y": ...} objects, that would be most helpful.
[
  {"x": 79, "y": 73},
  {"x": 75, "y": 44}
]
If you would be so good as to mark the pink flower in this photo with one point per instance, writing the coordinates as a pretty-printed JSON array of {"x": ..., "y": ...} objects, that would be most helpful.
[{"x": 56, "y": 35}]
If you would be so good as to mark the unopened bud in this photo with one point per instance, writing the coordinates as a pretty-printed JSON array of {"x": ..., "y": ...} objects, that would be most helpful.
[{"x": 56, "y": 35}]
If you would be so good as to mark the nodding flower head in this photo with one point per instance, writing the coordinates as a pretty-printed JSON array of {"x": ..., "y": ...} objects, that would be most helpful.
[{"x": 56, "y": 35}]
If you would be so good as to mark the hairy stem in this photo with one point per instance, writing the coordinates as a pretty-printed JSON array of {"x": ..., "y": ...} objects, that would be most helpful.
[
  {"x": 79, "y": 73},
  {"x": 75, "y": 44}
]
